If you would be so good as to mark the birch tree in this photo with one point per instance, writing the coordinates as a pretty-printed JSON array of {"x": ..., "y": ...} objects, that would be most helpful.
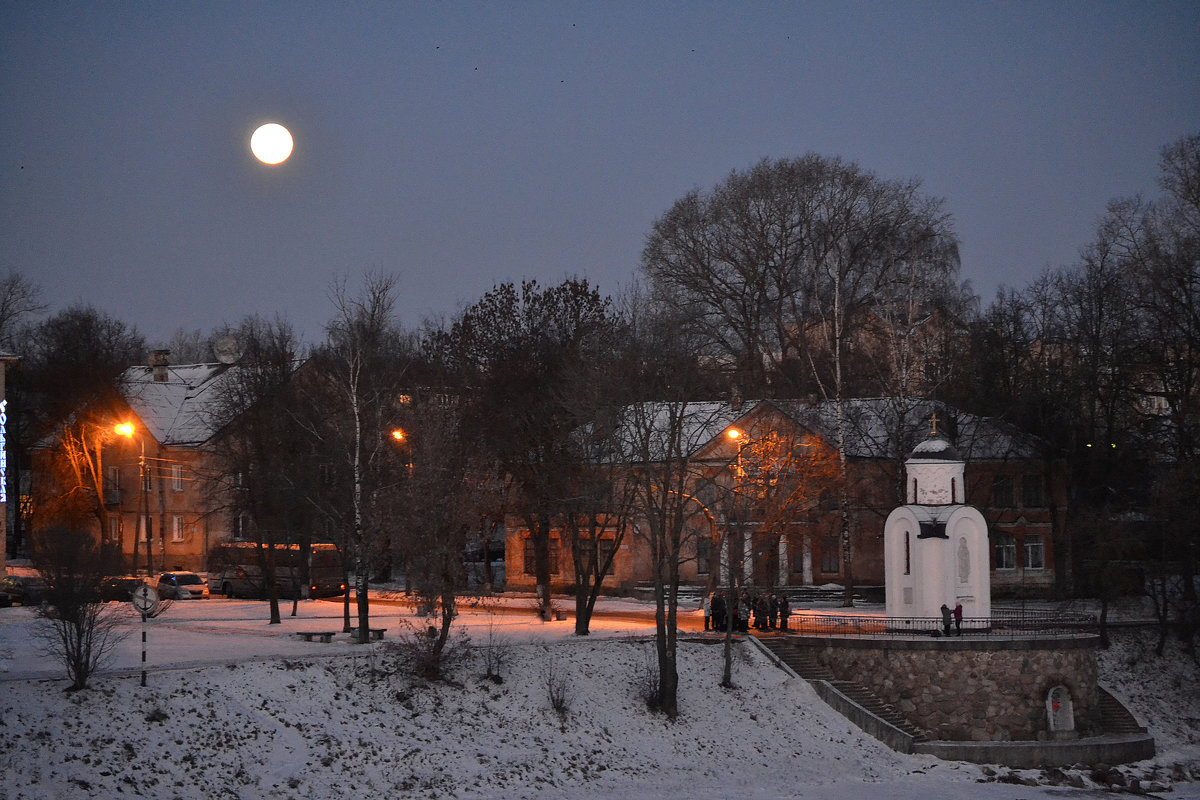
[{"x": 364, "y": 362}]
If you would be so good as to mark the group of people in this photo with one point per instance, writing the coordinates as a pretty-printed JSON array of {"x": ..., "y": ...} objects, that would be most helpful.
[
  {"x": 763, "y": 610},
  {"x": 956, "y": 613}
]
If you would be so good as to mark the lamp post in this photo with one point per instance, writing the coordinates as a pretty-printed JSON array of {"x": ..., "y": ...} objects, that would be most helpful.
[
  {"x": 126, "y": 429},
  {"x": 734, "y": 435}
]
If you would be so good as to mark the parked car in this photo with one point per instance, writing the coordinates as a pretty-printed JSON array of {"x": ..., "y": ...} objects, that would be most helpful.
[
  {"x": 27, "y": 590},
  {"x": 182, "y": 586},
  {"x": 5, "y": 600},
  {"x": 118, "y": 588}
]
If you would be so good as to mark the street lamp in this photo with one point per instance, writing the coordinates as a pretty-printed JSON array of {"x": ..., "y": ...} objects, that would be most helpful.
[{"x": 126, "y": 429}]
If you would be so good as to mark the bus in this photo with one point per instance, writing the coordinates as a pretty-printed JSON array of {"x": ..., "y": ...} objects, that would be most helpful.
[{"x": 235, "y": 570}]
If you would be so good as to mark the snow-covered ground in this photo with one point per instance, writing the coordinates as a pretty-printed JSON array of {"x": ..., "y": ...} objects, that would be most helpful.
[{"x": 236, "y": 708}]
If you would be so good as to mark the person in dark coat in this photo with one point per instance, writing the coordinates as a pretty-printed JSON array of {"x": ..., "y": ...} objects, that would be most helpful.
[
  {"x": 958, "y": 614},
  {"x": 718, "y": 611},
  {"x": 785, "y": 611},
  {"x": 772, "y": 611},
  {"x": 945, "y": 620}
]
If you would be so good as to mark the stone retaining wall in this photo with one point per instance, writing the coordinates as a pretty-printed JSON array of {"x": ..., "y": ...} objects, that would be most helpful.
[{"x": 973, "y": 690}]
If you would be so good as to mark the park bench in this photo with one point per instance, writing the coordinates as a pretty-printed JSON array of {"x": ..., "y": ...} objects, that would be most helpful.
[
  {"x": 375, "y": 633},
  {"x": 324, "y": 636}
]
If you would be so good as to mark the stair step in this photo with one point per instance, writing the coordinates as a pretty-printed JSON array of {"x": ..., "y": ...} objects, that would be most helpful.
[
  {"x": 885, "y": 711},
  {"x": 803, "y": 661},
  {"x": 1114, "y": 717}
]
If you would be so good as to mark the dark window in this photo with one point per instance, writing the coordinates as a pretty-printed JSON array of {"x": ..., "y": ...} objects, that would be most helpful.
[
  {"x": 1035, "y": 551},
  {"x": 829, "y": 556},
  {"x": 1031, "y": 491},
  {"x": 1002, "y": 491},
  {"x": 907, "y": 554},
  {"x": 606, "y": 554},
  {"x": 1006, "y": 551},
  {"x": 527, "y": 556},
  {"x": 530, "y": 565},
  {"x": 703, "y": 554}
]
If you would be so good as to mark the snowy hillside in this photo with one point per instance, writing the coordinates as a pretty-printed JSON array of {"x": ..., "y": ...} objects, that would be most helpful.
[{"x": 312, "y": 720}]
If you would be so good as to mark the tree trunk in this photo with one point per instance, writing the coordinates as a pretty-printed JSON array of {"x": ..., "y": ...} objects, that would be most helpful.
[
  {"x": 539, "y": 531},
  {"x": 360, "y": 597},
  {"x": 346, "y": 626}
]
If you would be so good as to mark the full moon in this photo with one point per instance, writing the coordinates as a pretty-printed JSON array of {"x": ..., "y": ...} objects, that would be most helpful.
[{"x": 271, "y": 143}]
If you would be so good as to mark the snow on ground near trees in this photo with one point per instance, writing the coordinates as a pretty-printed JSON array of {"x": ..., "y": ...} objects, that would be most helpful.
[{"x": 235, "y": 708}]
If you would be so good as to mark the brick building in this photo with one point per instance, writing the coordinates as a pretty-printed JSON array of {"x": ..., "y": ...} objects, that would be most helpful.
[{"x": 797, "y": 542}]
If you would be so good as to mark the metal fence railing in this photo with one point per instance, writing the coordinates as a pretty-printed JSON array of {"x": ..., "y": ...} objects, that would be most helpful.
[{"x": 1004, "y": 623}]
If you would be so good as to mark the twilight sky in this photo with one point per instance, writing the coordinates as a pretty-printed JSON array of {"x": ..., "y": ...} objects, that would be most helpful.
[{"x": 460, "y": 145}]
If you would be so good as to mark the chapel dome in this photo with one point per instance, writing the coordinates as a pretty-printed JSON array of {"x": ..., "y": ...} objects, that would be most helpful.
[{"x": 934, "y": 450}]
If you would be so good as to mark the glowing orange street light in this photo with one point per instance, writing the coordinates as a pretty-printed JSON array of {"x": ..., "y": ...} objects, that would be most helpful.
[
  {"x": 733, "y": 433},
  {"x": 124, "y": 429},
  {"x": 398, "y": 434}
]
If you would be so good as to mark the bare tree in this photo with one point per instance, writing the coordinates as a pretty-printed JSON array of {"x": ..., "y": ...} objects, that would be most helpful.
[
  {"x": 19, "y": 300},
  {"x": 364, "y": 362},
  {"x": 71, "y": 400},
  {"x": 509, "y": 355},
  {"x": 776, "y": 265},
  {"x": 443, "y": 488},
  {"x": 260, "y": 471}
]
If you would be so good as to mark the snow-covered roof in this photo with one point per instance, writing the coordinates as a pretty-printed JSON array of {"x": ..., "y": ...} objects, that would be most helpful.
[
  {"x": 180, "y": 410},
  {"x": 935, "y": 450},
  {"x": 890, "y": 428},
  {"x": 645, "y": 428},
  {"x": 875, "y": 428}
]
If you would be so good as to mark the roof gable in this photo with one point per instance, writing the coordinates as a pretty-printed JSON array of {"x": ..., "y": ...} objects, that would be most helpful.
[{"x": 181, "y": 410}]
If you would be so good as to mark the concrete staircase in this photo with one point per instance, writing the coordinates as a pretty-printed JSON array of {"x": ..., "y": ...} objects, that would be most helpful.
[
  {"x": 803, "y": 661},
  {"x": 1115, "y": 718},
  {"x": 867, "y": 699}
]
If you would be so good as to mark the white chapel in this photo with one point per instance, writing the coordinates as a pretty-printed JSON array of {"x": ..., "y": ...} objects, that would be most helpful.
[{"x": 935, "y": 546}]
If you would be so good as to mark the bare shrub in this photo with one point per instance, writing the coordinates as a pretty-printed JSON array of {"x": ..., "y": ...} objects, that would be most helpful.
[
  {"x": 558, "y": 685},
  {"x": 418, "y": 650},
  {"x": 645, "y": 678},
  {"x": 497, "y": 649},
  {"x": 82, "y": 632}
]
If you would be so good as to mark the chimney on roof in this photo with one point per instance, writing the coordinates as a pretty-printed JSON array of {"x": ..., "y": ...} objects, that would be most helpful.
[
  {"x": 735, "y": 399},
  {"x": 159, "y": 361}
]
